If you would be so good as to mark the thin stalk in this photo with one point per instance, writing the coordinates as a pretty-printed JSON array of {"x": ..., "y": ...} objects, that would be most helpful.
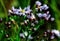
[
  {"x": 4, "y": 8},
  {"x": 57, "y": 14}
]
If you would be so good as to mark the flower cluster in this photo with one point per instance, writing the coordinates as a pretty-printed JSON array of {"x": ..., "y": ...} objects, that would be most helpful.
[
  {"x": 23, "y": 35},
  {"x": 52, "y": 33},
  {"x": 28, "y": 13},
  {"x": 46, "y": 15},
  {"x": 38, "y": 6},
  {"x": 20, "y": 11}
]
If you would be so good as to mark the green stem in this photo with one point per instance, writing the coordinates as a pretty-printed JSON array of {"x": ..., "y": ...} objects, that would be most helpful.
[
  {"x": 57, "y": 13},
  {"x": 4, "y": 8}
]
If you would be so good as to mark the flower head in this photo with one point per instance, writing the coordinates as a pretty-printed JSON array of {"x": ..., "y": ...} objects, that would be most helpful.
[
  {"x": 39, "y": 15},
  {"x": 52, "y": 19},
  {"x": 22, "y": 35},
  {"x": 45, "y": 7},
  {"x": 38, "y": 3},
  {"x": 25, "y": 33},
  {"x": 56, "y": 32},
  {"x": 30, "y": 37}
]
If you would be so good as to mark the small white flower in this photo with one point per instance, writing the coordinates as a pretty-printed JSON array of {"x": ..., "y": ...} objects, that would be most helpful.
[
  {"x": 47, "y": 12},
  {"x": 44, "y": 15},
  {"x": 10, "y": 11},
  {"x": 52, "y": 19},
  {"x": 39, "y": 15},
  {"x": 28, "y": 9},
  {"x": 56, "y": 32},
  {"x": 47, "y": 17},
  {"x": 25, "y": 21},
  {"x": 35, "y": 29},
  {"x": 32, "y": 17},
  {"x": 45, "y": 7},
  {"x": 14, "y": 10},
  {"x": 25, "y": 33},
  {"x": 41, "y": 7},
  {"x": 30, "y": 37},
  {"x": 21, "y": 11},
  {"x": 9, "y": 22},
  {"x": 38, "y": 3},
  {"x": 22, "y": 35}
]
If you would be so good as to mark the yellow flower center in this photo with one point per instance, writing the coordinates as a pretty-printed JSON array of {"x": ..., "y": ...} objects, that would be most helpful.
[{"x": 23, "y": 11}]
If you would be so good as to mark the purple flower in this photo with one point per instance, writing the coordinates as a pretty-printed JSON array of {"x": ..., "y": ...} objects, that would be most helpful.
[
  {"x": 38, "y": 3},
  {"x": 52, "y": 19}
]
